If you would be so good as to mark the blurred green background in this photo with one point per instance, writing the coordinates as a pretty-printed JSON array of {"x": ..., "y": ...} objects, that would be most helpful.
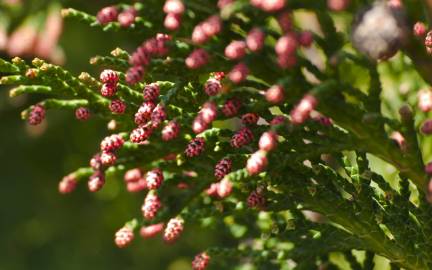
[{"x": 41, "y": 229}]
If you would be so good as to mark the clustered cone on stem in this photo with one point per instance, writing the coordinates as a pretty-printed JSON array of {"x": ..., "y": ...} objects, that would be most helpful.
[
  {"x": 173, "y": 230},
  {"x": 151, "y": 206},
  {"x": 123, "y": 237}
]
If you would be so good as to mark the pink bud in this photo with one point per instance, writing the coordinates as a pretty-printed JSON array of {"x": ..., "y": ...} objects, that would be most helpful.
[
  {"x": 117, "y": 106},
  {"x": 425, "y": 100},
  {"x": 419, "y": 29},
  {"x": 212, "y": 26},
  {"x": 231, "y": 107},
  {"x": 257, "y": 162},
  {"x": 208, "y": 112},
  {"x": 255, "y": 39},
  {"x": 224, "y": 3},
  {"x": 278, "y": 120},
  {"x": 426, "y": 128},
  {"x": 111, "y": 143},
  {"x": 303, "y": 109},
  {"x": 151, "y": 230},
  {"x": 256, "y": 3},
  {"x": 238, "y": 73},
  {"x": 287, "y": 61},
  {"x": 200, "y": 261},
  {"x": 250, "y": 118},
  {"x": 123, "y": 237},
  {"x": 235, "y": 50},
  {"x": 172, "y": 21},
  {"x": 222, "y": 168},
  {"x": 173, "y": 230},
  {"x": 134, "y": 74},
  {"x": 198, "y": 35},
  {"x": 212, "y": 190},
  {"x": 197, "y": 59},
  {"x": 127, "y": 17},
  {"x": 256, "y": 200},
  {"x": 275, "y": 94},
  {"x": 109, "y": 76},
  {"x": 338, "y": 5},
  {"x": 170, "y": 131},
  {"x": 96, "y": 181},
  {"x": 428, "y": 40},
  {"x": 82, "y": 113},
  {"x": 107, "y": 14},
  {"x": 287, "y": 44},
  {"x": 285, "y": 21},
  {"x": 305, "y": 38},
  {"x": 224, "y": 188},
  {"x": 36, "y": 115},
  {"x": 272, "y": 5},
  {"x": 173, "y": 7},
  {"x": 268, "y": 141},
  {"x": 108, "y": 158},
  {"x": 133, "y": 175},
  {"x": 67, "y": 184},
  {"x": 395, "y": 4},
  {"x": 428, "y": 168},
  {"x": 212, "y": 87},
  {"x": 199, "y": 125},
  {"x": 399, "y": 139},
  {"x": 154, "y": 178},
  {"x": 151, "y": 206},
  {"x": 137, "y": 186}
]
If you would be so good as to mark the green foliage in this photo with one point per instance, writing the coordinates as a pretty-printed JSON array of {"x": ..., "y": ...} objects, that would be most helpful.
[{"x": 322, "y": 189}]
